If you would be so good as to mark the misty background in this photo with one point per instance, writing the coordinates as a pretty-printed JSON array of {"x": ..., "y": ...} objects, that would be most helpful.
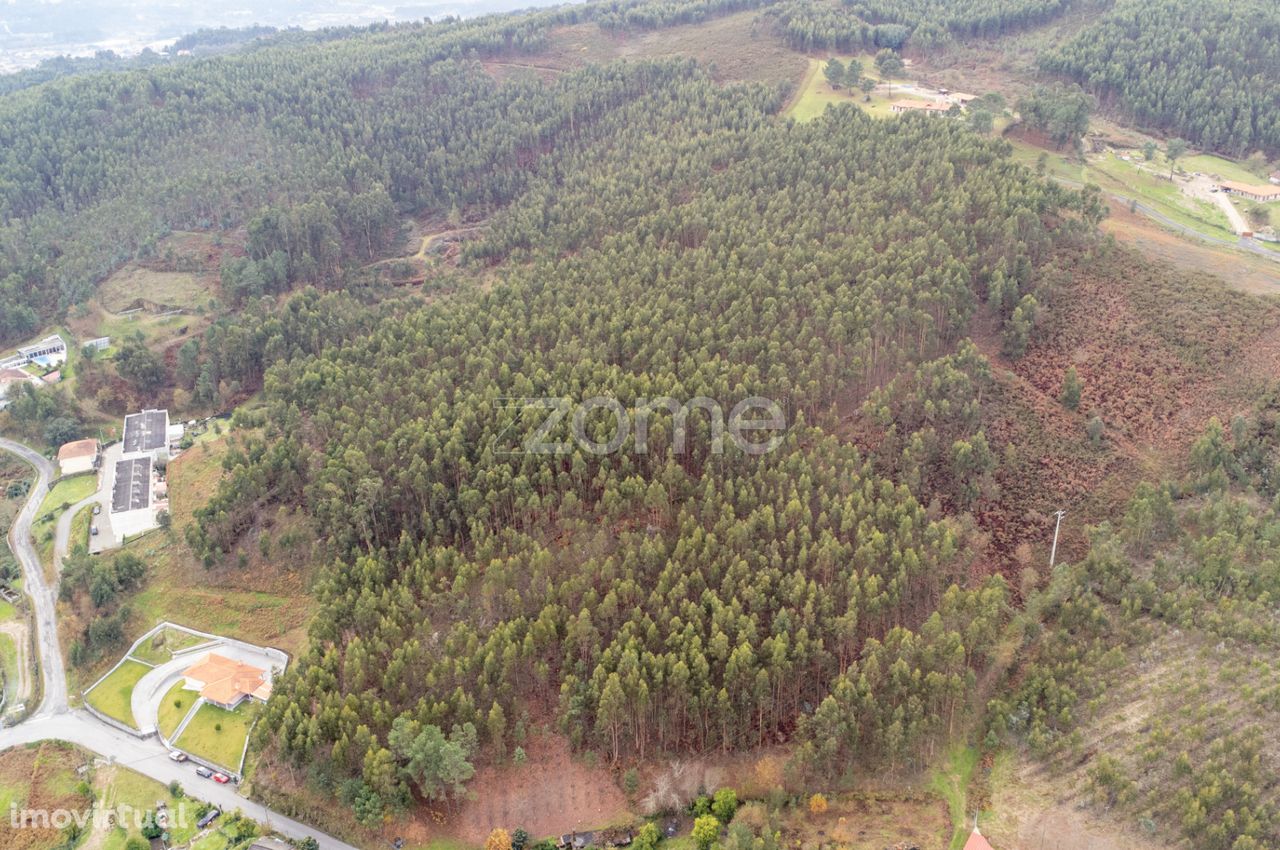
[{"x": 32, "y": 31}]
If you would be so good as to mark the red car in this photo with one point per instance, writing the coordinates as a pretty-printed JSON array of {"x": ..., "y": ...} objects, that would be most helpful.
[{"x": 221, "y": 778}]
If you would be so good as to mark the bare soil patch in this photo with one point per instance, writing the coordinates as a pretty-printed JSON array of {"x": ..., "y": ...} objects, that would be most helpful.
[{"x": 550, "y": 794}]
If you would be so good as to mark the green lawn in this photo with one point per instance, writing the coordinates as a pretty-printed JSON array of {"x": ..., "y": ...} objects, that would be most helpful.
[
  {"x": 951, "y": 782},
  {"x": 140, "y": 793},
  {"x": 7, "y": 611},
  {"x": 67, "y": 491},
  {"x": 1224, "y": 168},
  {"x": 175, "y": 705},
  {"x": 164, "y": 643},
  {"x": 9, "y": 662},
  {"x": 203, "y": 738},
  {"x": 111, "y": 696},
  {"x": 80, "y": 528}
]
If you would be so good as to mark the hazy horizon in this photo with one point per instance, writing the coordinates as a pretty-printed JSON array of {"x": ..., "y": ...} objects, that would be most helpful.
[{"x": 32, "y": 31}]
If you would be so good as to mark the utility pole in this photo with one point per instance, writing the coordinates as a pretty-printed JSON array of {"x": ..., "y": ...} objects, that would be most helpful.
[{"x": 1053, "y": 555}]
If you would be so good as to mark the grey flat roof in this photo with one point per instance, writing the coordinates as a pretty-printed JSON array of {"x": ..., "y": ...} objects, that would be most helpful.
[
  {"x": 132, "y": 490},
  {"x": 146, "y": 431}
]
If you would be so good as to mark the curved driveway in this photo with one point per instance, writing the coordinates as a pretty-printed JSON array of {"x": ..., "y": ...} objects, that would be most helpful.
[{"x": 43, "y": 596}]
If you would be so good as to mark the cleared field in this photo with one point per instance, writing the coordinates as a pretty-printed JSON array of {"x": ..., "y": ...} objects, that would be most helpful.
[
  {"x": 134, "y": 283},
  {"x": 815, "y": 94},
  {"x": 112, "y": 694},
  {"x": 38, "y": 777},
  {"x": 735, "y": 47},
  {"x": 173, "y": 707},
  {"x": 119, "y": 787},
  {"x": 217, "y": 734}
]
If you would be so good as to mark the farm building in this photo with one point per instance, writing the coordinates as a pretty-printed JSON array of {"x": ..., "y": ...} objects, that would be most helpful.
[
  {"x": 1250, "y": 191},
  {"x": 1275, "y": 177},
  {"x": 929, "y": 107},
  {"x": 78, "y": 456},
  {"x": 227, "y": 683}
]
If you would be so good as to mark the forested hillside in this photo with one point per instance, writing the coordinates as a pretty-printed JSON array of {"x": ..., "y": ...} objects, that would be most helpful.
[
  {"x": 1155, "y": 683},
  {"x": 328, "y": 144},
  {"x": 665, "y": 600},
  {"x": 1205, "y": 70}
]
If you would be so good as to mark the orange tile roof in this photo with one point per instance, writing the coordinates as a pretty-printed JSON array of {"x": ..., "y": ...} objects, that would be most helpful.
[
  {"x": 976, "y": 841},
  {"x": 78, "y": 448},
  {"x": 1250, "y": 189},
  {"x": 226, "y": 681}
]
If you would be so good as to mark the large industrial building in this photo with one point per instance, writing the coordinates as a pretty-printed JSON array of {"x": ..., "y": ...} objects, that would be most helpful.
[{"x": 137, "y": 496}]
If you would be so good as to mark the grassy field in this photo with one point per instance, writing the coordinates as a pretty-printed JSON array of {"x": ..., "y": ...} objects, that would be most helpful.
[
  {"x": 40, "y": 776},
  {"x": 950, "y": 782},
  {"x": 164, "y": 644},
  {"x": 173, "y": 707},
  {"x": 80, "y": 527},
  {"x": 815, "y": 94},
  {"x": 7, "y": 611},
  {"x": 66, "y": 492},
  {"x": 224, "y": 745},
  {"x": 118, "y": 787},
  {"x": 134, "y": 283},
  {"x": 9, "y": 663},
  {"x": 1128, "y": 179},
  {"x": 111, "y": 696},
  {"x": 265, "y": 601}
]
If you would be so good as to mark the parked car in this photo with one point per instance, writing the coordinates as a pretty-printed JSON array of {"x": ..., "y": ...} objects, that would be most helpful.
[
  {"x": 210, "y": 816},
  {"x": 93, "y": 530},
  {"x": 201, "y": 770},
  {"x": 97, "y": 509},
  {"x": 176, "y": 755},
  {"x": 221, "y": 778}
]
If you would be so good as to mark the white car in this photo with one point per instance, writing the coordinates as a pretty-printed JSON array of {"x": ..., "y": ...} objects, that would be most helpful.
[{"x": 174, "y": 755}]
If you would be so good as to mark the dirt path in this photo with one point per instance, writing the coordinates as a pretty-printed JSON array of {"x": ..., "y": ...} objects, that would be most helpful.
[
  {"x": 1202, "y": 188},
  {"x": 17, "y": 632}
]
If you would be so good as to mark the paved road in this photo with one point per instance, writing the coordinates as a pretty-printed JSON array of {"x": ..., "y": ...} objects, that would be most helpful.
[
  {"x": 1240, "y": 243},
  {"x": 150, "y": 759},
  {"x": 54, "y": 719},
  {"x": 43, "y": 597}
]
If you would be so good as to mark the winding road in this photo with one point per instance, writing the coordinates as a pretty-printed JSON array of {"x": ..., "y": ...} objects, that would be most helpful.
[{"x": 54, "y": 719}]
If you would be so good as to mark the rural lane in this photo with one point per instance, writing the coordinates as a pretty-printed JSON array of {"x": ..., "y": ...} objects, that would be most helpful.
[
  {"x": 150, "y": 759},
  {"x": 54, "y": 719},
  {"x": 43, "y": 597}
]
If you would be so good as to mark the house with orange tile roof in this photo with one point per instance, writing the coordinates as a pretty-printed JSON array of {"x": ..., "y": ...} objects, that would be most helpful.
[{"x": 226, "y": 682}]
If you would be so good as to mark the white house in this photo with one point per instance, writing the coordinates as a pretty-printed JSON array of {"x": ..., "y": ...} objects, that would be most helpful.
[
  {"x": 78, "y": 456},
  {"x": 50, "y": 351}
]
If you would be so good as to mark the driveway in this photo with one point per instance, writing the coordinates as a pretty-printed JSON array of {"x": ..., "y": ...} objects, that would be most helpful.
[
  {"x": 1202, "y": 187},
  {"x": 151, "y": 688}
]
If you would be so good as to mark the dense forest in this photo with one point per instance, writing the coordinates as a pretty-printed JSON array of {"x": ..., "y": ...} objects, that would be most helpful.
[
  {"x": 661, "y": 600},
  {"x": 1204, "y": 70}
]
